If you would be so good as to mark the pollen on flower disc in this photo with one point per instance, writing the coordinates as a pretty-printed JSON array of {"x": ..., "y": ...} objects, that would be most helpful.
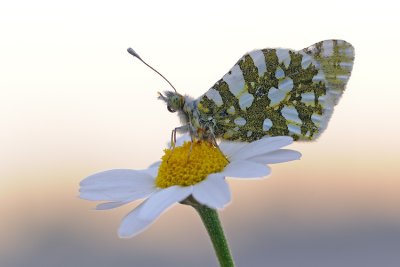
[{"x": 189, "y": 164}]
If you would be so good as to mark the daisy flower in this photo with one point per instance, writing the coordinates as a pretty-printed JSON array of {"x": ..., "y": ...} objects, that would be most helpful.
[{"x": 191, "y": 172}]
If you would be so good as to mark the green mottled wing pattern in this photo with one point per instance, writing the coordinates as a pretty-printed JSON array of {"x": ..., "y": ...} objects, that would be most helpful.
[{"x": 272, "y": 92}]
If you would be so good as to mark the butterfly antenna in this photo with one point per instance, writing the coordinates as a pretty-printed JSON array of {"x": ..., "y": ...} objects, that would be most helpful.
[{"x": 133, "y": 53}]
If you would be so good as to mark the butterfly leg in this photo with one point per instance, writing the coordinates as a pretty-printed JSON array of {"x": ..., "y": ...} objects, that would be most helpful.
[
  {"x": 173, "y": 139},
  {"x": 213, "y": 141},
  {"x": 191, "y": 132},
  {"x": 183, "y": 128}
]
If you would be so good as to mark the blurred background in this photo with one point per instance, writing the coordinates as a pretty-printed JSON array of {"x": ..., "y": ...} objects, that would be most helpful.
[{"x": 73, "y": 102}]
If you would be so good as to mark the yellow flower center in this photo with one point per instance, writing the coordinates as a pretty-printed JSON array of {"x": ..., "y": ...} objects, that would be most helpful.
[{"x": 189, "y": 164}]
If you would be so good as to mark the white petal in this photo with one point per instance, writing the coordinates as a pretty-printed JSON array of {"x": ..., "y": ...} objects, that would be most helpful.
[
  {"x": 110, "y": 205},
  {"x": 114, "y": 176},
  {"x": 212, "y": 192},
  {"x": 246, "y": 169},
  {"x": 117, "y": 185},
  {"x": 262, "y": 146},
  {"x": 153, "y": 169},
  {"x": 147, "y": 212},
  {"x": 278, "y": 156},
  {"x": 229, "y": 148},
  {"x": 132, "y": 225},
  {"x": 155, "y": 164},
  {"x": 115, "y": 195},
  {"x": 163, "y": 199}
]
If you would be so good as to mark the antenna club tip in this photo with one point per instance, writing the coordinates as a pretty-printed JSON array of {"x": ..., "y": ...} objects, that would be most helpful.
[{"x": 132, "y": 52}]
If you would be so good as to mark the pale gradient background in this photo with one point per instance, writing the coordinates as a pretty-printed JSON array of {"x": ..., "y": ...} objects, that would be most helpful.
[{"x": 74, "y": 102}]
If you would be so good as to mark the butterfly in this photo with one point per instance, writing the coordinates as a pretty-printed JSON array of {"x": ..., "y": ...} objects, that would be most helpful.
[{"x": 268, "y": 92}]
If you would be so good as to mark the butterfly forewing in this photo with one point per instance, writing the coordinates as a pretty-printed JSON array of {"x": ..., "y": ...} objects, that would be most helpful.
[{"x": 279, "y": 92}]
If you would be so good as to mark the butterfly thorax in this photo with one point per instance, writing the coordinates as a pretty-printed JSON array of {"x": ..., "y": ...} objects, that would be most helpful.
[{"x": 199, "y": 127}]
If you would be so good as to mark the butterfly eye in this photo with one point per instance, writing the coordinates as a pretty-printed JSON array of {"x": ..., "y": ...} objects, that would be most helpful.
[{"x": 170, "y": 109}]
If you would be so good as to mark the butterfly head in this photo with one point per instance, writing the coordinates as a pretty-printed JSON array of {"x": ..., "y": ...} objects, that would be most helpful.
[{"x": 174, "y": 100}]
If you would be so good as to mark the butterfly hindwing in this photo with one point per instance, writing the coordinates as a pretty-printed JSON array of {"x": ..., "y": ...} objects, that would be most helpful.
[{"x": 279, "y": 92}]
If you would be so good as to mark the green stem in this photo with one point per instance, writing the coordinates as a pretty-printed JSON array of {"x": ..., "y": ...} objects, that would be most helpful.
[{"x": 214, "y": 228}]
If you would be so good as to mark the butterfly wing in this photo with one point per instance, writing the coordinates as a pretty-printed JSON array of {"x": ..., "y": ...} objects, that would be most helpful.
[{"x": 279, "y": 92}]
